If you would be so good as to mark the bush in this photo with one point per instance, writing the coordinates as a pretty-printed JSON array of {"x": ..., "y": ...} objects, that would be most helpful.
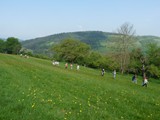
[{"x": 154, "y": 71}]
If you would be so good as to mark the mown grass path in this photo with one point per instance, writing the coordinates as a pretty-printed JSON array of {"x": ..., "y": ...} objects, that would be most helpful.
[{"x": 33, "y": 89}]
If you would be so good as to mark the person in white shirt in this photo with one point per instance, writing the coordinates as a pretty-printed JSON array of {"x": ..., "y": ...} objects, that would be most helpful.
[
  {"x": 114, "y": 74},
  {"x": 77, "y": 67},
  {"x": 145, "y": 82}
]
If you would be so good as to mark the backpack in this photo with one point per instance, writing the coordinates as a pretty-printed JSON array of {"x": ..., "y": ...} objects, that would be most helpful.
[{"x": 133, "y": 78}]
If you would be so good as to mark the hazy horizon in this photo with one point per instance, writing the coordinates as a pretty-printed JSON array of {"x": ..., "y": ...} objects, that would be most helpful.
[{"x": 31, "y": 19}]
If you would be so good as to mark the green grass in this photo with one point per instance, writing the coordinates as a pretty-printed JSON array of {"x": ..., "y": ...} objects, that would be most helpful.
[{"x": 33, "y": 89}]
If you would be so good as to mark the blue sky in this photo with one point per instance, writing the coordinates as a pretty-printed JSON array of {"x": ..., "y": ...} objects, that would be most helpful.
[{"x": 26, "y": 19}]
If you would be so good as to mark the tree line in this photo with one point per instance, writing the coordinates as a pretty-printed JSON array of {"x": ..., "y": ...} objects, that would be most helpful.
[
  {"x": 124, "y": 57},
  {"x": 135, "y": 61}
]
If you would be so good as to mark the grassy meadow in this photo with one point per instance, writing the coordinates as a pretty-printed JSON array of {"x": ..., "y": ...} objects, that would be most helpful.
[{"x": 34, "y": 89}]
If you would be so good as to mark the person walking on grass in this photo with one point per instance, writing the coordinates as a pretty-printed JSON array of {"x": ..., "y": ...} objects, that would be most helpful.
[
  {"x": 145, "y": 82},
  {"x": 114, "y": 74},
  {"x": 103, "y": 71},
  {"x": 66, "y": 65},
  {"x": 71, "y": 66},
  {"x": 134, "y": 79},
  {"x": 77, "y": 67}
]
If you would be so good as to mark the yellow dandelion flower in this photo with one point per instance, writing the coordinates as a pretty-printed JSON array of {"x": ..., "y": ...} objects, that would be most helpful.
[
  {"x": 49, "y": 100},
  {"x": 33, "y": 105}
]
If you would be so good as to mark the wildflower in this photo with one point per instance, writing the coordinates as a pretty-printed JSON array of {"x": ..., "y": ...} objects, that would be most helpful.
[
  {"x": 49, "y": 100},
  {"x": 33, "y": 105}
]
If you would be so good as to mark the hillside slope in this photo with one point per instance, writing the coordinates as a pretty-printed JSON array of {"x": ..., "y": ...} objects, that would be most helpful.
[
  {"x": 33, "y": 89},
  {"x": 41, "y": 45},
  {"x": 96, "y": 39}
]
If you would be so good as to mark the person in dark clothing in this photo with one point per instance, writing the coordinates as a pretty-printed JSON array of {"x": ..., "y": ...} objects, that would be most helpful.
[{"x": 134, "y": 79}]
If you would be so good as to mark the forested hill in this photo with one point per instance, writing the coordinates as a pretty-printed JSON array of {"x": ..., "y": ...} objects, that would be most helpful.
[
  {"x": 96, "y": 39},
  {"x": 41, "y": 45}
]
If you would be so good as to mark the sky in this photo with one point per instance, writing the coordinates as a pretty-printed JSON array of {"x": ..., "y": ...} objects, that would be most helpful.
[{"x": 27, "y": 19}]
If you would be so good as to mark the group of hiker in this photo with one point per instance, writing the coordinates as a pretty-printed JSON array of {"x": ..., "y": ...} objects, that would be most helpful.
[
  {"x": 71, "y": 66},
  {"x": 134, "y": 78},
  {"x": 114, "y": 73},
  {"x": 144, "y": 81}
]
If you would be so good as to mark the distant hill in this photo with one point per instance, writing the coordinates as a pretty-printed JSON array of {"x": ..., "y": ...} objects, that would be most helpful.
[
  {"x": 2, "y": 39},
  {"x": 98, "y": 40}
]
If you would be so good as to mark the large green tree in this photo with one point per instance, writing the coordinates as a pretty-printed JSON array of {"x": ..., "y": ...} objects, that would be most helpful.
[
  {"x": 153, "y": 60},
  {"x": 96, "y": 60},
  {"x": 136, "y": 61},
  {"x": 71, "y": 50},
  {"x": 12, "y": 46}
]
